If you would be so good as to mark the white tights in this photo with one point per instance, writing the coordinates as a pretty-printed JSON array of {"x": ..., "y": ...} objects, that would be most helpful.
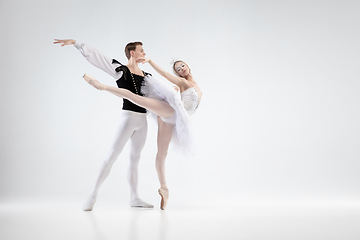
[
  {"x": 162, "y": 109},
  {"x": 132, "y": 126}
]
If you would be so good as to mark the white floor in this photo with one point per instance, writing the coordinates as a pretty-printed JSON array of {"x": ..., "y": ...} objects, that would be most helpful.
[{"x": 237, "y": 220}]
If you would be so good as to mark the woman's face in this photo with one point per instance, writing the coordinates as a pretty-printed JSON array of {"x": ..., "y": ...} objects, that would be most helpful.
[{"x": 182, "y": 69}]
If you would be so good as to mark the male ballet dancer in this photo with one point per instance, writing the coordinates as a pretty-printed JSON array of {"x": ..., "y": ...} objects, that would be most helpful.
[{"x": 133, "y": 122}]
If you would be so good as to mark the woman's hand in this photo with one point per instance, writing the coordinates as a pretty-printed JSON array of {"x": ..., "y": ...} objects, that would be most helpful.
[
  {"x": 145, "y": 60},
  {"x": 64, "y": 42},
  {"x": 176, "y": 88}
]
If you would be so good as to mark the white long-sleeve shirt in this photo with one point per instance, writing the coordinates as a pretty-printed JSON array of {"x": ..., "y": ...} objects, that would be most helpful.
[
  {"x": 106, "y": 64},
  {"x": 99, "y": 60}
]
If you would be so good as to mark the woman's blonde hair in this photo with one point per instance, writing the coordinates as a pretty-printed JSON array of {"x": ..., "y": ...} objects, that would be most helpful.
[{"x": 176, "y": 63}]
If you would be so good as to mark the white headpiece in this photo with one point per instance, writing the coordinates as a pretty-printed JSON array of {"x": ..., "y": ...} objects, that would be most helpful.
[{"x": 173, "y": 60}]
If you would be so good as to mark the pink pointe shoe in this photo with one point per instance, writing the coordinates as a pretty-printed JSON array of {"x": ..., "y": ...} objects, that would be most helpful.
[
  {"x": 164, "y": 193},
  {"x": 93, "y": 82}
]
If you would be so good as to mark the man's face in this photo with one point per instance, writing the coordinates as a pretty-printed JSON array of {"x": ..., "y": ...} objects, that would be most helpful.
[{"x": 139, "y": 52}]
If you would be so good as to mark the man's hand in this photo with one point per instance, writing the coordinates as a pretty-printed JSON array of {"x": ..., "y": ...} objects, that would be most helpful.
[{"x": 64, "y": 42}]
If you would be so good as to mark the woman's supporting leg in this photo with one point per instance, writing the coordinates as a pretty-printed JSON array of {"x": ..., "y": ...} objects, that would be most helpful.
[
  {"x": 160, "y": 108},
  {"x": 163, "y": 141}
]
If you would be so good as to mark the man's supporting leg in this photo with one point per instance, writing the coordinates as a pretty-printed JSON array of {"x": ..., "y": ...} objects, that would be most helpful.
[
  {"x": 126, "y": 128},
  {"x": 137, "y": 144}
]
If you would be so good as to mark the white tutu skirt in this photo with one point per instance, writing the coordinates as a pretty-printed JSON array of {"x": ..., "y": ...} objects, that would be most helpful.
[{"x": 161, "y": 90}]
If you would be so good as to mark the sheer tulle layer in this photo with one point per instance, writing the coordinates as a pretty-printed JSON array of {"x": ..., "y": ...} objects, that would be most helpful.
[{"x": 161, "y": 90}]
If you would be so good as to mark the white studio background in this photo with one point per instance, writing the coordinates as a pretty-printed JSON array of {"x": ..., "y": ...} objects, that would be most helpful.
[{"x": 279, "y": 116}]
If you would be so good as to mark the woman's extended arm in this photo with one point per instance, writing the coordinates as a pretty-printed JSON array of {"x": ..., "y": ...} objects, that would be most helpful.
[{"x": 175, "y": 80}]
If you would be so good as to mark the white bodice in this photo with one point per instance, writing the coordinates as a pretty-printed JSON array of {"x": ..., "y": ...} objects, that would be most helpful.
[{"x": 190, "y": 99}]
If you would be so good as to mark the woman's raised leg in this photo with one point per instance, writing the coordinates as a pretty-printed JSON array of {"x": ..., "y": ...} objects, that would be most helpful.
[{"x": 160, "y": 108}]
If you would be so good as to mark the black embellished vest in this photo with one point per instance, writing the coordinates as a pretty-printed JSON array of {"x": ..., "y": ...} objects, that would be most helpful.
[{"x": 131, "y": 82}]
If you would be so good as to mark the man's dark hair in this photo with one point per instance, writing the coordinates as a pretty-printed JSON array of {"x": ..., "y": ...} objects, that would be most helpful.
[{"x": 131, "y": 47}]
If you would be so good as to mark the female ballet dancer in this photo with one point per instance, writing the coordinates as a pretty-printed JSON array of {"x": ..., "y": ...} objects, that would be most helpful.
[{"x": 172, "y": 111}]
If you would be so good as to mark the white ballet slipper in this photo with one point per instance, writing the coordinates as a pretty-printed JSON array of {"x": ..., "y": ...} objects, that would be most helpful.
[
  {"x": 88, "y": 206},
  {"x": 140, "y": 203}
]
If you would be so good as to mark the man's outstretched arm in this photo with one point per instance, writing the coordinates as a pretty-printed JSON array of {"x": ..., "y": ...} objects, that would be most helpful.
[{"x": 94, "y": 56}]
